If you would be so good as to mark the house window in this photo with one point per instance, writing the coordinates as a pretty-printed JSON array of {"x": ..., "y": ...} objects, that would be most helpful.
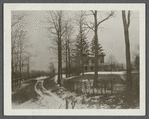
[
  {"x": 99, "y": 61},
  {"x": 93, "y": 62},
  {"x": 90, "y": 62},
  {"x": 91, "y": 68},
  {"x": 85, "y": 68}
]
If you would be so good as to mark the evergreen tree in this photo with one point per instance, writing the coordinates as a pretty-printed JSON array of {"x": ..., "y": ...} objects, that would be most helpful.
[
  {"x": 100, "y": 49},
  {"x": 85, "y": 46},
  {"x": 80, "y": 50}
]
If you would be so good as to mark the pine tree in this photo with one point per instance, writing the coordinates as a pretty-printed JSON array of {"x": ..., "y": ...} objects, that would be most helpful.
[
  {"x": 100, "y": 49},
  {"x": 81, "y": 49},
  {"x": 85, "y": 47}
]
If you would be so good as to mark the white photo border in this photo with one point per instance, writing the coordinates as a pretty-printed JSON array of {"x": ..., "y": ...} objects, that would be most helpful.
[{"x": 8, "y": 7}]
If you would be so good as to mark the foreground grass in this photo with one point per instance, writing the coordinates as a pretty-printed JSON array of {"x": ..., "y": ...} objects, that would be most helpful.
[{"x": 25, "y": 93}]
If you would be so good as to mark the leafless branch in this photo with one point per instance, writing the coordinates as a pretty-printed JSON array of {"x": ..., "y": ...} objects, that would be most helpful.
[
  {"x": 110, "y": 15},
  {"x": 93, "y": 12},
  {"x": 18, "y": 19},
  {"x": 128, "y": 24},
  {"x": 92, "y": 28}
]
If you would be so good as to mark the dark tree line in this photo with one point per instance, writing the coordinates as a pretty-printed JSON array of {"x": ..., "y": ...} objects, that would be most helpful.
[{"x": 20, "y": 58}]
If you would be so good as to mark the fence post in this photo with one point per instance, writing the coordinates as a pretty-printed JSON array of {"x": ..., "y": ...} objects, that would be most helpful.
[
  {"x": 111, "y": 86},
  {"x": 66, "y": 104}
]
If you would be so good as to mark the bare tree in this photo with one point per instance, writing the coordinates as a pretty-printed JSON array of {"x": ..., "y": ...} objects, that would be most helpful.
[
  {"x": 57, "y": 29},
  {"x": 16, "y": 18},
  {"x": 18, "y": 52},
  {"x": 68, "y": 45},
  {"x": 94, "y": 27},
  {"x": 126, "y": 24},
  {"x": 18, "y": 47}
]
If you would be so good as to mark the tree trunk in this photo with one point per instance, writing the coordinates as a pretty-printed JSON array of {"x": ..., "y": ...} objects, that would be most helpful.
[
  {"x": 81, "y": 37},
  {"x": 20, "y": 76},
  {"x": 61, "y": 71},
  {"x": 28, "y": 69},
  {"x": 128, "y": 61},
  {"x": 59, "y": 53},
  {"x": 66, "y": 58},
  {"x": 82, "y": 64},
  {"x": 59, "y": 62},
  {"x": 69, "y": 59},
  {"x": 96, "y": 50}
]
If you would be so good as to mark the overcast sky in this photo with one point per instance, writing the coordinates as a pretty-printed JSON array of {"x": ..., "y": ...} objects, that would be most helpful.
[{"x": 111, "y": 37}]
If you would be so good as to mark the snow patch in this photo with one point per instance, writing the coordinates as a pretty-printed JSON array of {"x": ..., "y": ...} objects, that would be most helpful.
[
  {"x": 122, "y": 72},
  {"x": 41, "y": 78}
]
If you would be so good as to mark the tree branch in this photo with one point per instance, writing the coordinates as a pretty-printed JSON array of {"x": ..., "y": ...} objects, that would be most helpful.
[
  {"x": 18, "y": 19},
  {"x": 110, "y": 15},
  {"x": 93, "y": 12},
  {"x": 92, "y": 28},
  {"x": 54, "y": 22},
  {"x": 128, "y": 22}
]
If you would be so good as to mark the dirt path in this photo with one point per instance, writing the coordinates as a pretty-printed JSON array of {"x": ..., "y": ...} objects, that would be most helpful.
[
  {"x": 48, "y": 99},
  {"x": 45, "y": 99}
]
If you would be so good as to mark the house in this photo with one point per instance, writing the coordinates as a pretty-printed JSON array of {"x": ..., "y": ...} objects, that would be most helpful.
[{"x": 89, "y": 62}]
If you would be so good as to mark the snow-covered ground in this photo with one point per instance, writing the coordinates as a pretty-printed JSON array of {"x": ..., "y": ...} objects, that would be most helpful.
[
  {"x": 56, "y": 77},
  {"x": 46, "y": 99},
  {"x": 101, "y": 72},
  {"x": 111, "y": 72},
  {"x": 57, "y": 100},
  {"x": 41, "y": 78},
  {"x": 122, "y": 72}
]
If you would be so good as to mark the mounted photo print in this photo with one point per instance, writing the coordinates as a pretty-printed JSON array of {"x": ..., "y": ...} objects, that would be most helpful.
[{"x": 74, "y": 59}]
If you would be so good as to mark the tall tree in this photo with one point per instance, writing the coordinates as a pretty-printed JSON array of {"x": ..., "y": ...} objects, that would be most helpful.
[
  {"x": 80, "y": 21},
  {"x": 82, "y": 47},
  {"x": 94, "y": 27},
  {"x": 16, "y": 18},
  {"x": 68, "y": 45},
  {"x": 80, "y": 50},
  {"x": 58, "y": 29},
  {"x": 18, "y": 45},
  {"x": 126, "y": 24}
]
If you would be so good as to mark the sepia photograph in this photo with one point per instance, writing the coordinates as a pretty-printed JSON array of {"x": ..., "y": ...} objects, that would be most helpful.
[{"x": 80, "y": 59}]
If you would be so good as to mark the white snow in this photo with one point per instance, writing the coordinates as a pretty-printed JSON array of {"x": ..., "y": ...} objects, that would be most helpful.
[
  {"x": 41, "y": 78},
  {"x": 46, "y": 99},
  {"x": 111, "y": 72},
  {"x": 56, "y": 77},
  {"x": 122, "y": 72}
]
